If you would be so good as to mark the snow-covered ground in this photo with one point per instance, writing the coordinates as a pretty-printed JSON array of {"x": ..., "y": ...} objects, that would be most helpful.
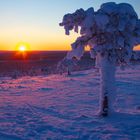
[{"x": 58, "y": 107}]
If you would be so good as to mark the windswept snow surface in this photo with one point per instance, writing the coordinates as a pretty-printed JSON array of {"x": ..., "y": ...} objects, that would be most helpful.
[{"x": 58, "y": 107}]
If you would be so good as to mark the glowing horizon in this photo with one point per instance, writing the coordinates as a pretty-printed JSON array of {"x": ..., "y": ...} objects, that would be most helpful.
[{"x": 36, "y": 22}]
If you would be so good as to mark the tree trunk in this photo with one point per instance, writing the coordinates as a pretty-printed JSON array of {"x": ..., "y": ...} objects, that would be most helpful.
[
  {"x": 107, "y": 87},
  {"x": 68, "y": 71}
]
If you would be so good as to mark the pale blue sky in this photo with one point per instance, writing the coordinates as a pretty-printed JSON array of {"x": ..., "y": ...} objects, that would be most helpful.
[{"x": 38, "y": 20}]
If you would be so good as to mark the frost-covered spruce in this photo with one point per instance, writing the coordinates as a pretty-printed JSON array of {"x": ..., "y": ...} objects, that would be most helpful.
[{"x": 111, "y": 32}]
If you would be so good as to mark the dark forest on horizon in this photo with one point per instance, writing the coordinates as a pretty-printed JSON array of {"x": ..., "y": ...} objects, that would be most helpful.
[{"x": 31, "y": 55}]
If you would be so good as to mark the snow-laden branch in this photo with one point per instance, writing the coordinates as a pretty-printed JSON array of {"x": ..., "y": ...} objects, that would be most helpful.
[{"x": 113, "y": 29}]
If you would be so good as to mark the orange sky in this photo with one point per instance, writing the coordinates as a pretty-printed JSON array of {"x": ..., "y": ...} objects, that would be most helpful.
[
  {"x": 36, "y": 37},
  {"x": 36, "y": 23},
  {"x": 137, "y": 48}
]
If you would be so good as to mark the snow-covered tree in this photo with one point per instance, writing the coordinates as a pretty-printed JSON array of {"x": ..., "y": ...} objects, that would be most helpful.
[
  {"x": 111, "y": 32},
  {"x": 66, "y": 65}
]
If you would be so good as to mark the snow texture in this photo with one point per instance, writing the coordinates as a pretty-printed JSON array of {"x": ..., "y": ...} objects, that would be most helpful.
[{"x": 59, "y": 107}]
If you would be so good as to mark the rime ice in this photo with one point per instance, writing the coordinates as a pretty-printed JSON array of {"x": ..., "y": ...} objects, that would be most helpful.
[
  {"x": 111, "y": 32},
  {"x": 114, "y": 27}
]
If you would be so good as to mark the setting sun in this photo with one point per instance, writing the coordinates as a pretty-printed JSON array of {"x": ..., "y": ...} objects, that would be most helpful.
[{"x": 22, "y": 48}]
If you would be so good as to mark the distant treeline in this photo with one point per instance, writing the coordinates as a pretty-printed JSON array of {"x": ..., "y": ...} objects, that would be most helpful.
[{"x": 32, "y": 55}]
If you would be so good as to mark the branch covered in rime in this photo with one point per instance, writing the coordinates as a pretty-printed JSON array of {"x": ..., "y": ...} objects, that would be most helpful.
[{"x": 114, "y": 30}]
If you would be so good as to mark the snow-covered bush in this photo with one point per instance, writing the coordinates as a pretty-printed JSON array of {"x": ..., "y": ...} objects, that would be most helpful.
[
  {"x": 111, "y": 32},
  {"x": 66, "y": 65}
]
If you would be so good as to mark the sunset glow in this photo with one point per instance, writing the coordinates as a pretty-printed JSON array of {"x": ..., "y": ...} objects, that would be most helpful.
[
  {"x": 69, "y": 69},
  {"x": 29, "y": 21},
  {"x": 137, "y": 48},
  {"x": 22, "y": 48}
]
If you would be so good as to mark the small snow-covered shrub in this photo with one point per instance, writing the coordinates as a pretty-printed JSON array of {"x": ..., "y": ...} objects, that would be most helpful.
[{"x": 66, "y": 65}]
